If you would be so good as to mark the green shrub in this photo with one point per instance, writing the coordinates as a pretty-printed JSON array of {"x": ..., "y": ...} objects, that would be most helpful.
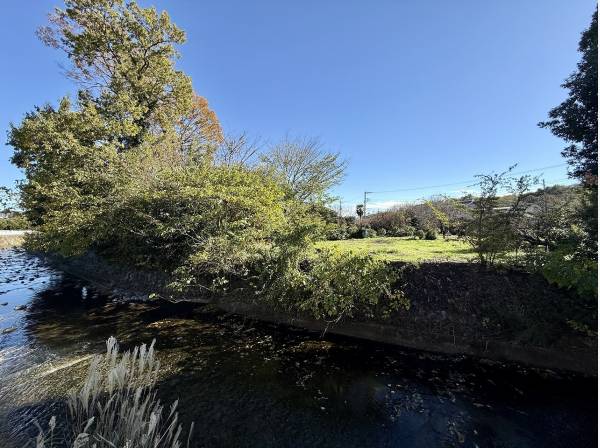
[
  {"x": 205, "y": 226},
  {"x": 419, "y": 234},
  {"x": 571, "y": 272},
  {"x": 367, "y": 232},
  {"x": 579, "y": 274},
  {"x": 335, "y": 232},
  {"x": 353, "y": 231},
  {"x": 394, "y": 231},
  {"x": 333, "y": 285},
  {"x": 408, "y": 231},
  {"x": 15, "y": 222},
  {"x": 431, "y": 234},
  {"x": 566, "y": 268},
  {"x": 381, "y": 232}
]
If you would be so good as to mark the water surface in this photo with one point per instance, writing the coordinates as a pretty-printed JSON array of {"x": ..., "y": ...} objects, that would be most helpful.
[{"x": 250, "y": 384}]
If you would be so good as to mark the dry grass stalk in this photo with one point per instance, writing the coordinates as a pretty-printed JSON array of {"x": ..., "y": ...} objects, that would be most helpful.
[{"x": 117, "y": 406}]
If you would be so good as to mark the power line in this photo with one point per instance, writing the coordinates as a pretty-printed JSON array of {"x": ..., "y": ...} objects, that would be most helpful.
[
  {"x": 377, "y": 209},
  {"x": 472, "y": 182},
  {"x": 420, "y": 188},
  {"x": 548, "y": 181},
  {"x": 462, "y": 182}
]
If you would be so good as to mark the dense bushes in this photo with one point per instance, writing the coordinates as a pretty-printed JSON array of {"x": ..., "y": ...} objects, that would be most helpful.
[
  {"x": 15, "y": 222},
  {"x": 440, "y": 214},
  {"x": 367, "y": 232},
  {"x": 341, "y": 231},
  {"x": 403, "y": 231},
  {"x": 577, "y": 273},
  {"x": 205, "y": 225},
  {"x": 332, "y": 285},
  {"x": 137, "y": 170},
  {"x": 431, "y": 234},
  {"x": 213, "y": 230}
]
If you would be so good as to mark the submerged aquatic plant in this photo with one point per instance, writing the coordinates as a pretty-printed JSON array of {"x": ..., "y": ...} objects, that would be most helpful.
[{"x": 117, "y": 405}]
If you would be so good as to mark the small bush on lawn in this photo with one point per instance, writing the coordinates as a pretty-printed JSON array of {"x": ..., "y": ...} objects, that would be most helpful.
[
  {"x": 368, "y": 233},
  {"x": 402, "y": 231},
  {"x": 431, "y": 234},
  {"x": 336, "y": 232},
  {"x": 419, "y": 234}
]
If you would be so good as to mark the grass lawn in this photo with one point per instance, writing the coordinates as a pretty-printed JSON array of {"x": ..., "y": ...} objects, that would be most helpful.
[{"x": 405, "y": 249}]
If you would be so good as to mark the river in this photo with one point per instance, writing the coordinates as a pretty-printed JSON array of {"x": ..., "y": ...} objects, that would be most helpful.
[{"x": 251, "y": 384}]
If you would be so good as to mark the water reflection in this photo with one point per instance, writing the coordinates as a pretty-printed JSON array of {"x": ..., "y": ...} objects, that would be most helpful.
[{"x": 246, "y": 383}]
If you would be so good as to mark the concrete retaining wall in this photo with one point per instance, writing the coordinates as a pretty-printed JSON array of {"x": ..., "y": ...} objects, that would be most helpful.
[{"x": 456, "y": 330}]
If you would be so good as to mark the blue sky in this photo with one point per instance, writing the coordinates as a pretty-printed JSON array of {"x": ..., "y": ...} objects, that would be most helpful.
[{"x": 412, "y": 93}]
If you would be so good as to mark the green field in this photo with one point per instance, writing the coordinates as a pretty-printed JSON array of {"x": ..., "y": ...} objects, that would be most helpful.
[{"x": 405, "y": 249}]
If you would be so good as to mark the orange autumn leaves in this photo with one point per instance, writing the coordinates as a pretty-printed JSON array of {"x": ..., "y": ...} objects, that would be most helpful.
[{"x": 200, "y": 127}]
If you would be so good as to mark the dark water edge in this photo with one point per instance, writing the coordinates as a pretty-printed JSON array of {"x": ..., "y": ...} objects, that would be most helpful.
[
  {"x": 456, "y": 309},
  {"x": 246, "y": 383}
]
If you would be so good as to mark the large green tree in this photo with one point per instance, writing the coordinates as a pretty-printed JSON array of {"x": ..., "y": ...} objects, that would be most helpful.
[
  {"x": 122, "y": 56},
  {"x": 576, "y": 121},
  {"x": 130, "y": 95},
  {"x": 134, "y": 169},
  {"x": 573, "y": 262},
  {"x": 576, "y": 118}
]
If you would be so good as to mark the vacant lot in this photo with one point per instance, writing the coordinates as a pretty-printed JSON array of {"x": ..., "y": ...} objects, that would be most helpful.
[{"x": 405, "y": 249}]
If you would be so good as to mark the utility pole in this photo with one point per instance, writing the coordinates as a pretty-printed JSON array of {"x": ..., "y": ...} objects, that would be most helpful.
[
  {"x": 365, "y": 203},
  {"x": 545, "y": 202}
]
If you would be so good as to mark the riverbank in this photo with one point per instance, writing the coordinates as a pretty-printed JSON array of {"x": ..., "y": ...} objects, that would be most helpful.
[
  {"x": 456, "y": 308},
  {"x": 231, "y": 374}
]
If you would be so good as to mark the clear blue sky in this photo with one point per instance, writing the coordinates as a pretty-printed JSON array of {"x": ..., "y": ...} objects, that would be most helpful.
[{"x": 412, "y": 93}]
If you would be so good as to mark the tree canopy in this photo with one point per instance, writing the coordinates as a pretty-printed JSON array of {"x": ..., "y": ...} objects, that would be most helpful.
[
  {"x": 576, "y": 118},
  {"x": 137, "y": 169},
  {"x": 307, "y": 171},
  {"x": 122, "y": 56}
]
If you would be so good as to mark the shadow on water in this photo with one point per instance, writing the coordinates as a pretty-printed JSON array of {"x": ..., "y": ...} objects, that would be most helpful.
[{"x": 246, "y": 383}]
